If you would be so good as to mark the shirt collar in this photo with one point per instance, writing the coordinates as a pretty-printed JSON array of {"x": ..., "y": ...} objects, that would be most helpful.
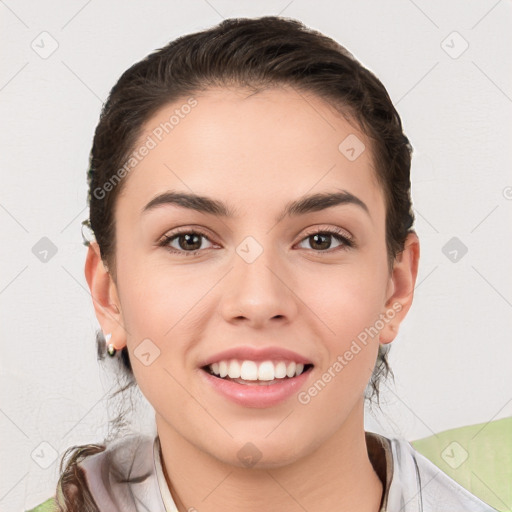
[{"x": 169, "y": 504}]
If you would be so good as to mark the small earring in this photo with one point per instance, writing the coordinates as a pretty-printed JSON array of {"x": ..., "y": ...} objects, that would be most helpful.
[{"x": 111, "y": 350}]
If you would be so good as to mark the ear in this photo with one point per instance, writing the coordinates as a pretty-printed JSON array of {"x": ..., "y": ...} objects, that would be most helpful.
[
  {"x": 401, "y": 287},
  {"x": 104, "y": 295}
]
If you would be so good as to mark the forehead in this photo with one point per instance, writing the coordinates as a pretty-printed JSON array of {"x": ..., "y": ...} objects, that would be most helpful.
[{"x": 251, "y": 148}]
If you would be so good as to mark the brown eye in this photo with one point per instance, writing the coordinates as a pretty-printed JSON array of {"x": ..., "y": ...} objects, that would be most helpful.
[
  {"x": 320, "y": 241},
  {"x": 185, "y": 242},
  {"x": 189, "y": 241}
]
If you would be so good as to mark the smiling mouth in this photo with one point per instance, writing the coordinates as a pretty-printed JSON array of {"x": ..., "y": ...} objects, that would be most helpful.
[{"x": 256, "y": 381}]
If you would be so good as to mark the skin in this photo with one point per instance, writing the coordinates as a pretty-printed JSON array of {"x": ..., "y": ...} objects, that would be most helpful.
[{"x": 255, "y": 152}]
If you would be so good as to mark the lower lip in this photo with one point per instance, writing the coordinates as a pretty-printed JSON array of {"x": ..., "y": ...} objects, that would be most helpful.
[{"x": 257, "y": 395}]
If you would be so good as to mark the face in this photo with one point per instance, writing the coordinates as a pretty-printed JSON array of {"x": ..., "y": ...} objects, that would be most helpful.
[{"x": 247, "y": 272}]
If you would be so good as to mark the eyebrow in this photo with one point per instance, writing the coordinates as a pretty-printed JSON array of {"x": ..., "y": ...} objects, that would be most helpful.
[{"x": 301, "y": 206}]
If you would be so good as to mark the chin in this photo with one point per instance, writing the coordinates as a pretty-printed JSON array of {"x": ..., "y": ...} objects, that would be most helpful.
[{"x": 262, "y": 453}]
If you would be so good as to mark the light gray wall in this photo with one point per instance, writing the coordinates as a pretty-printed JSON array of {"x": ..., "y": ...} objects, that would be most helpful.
[{"x": 452, "y": 357}]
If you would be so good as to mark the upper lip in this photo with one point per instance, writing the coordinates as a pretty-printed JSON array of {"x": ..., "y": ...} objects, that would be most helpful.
[{"x": 255, "y": 354}]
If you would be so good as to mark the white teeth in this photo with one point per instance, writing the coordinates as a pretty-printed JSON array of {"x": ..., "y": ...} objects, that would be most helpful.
[
  {"x": 250, "y": 370},
  {"x": 280, "y": 370},
  {"x": 223, "y": 368},
  {"x": 290, "y": 369},
  {"x": 266, "y": 371},
  {"x": 234, "y": 369}
]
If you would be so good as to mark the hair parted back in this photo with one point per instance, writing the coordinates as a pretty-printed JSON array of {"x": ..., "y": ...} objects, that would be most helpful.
[{"x": 258, "y": 54}]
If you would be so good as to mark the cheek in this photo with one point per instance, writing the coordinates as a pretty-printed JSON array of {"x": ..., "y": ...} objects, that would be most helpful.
[
  {"x": 347, "y": 302},
  {"x": 163, "y": 309},
  {"x": 158, "y": 307},
  {"x": 157, "y": 296},
  {"x": 345, "y": 299},
  {"x": 350, "y": 307}
]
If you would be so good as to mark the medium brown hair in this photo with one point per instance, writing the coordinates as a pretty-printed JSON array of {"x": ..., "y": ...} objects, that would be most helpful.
[{"x": 254, "y": 53}]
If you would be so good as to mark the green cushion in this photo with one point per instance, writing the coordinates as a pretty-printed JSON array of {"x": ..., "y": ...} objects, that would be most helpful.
[
  {"x": 50, "y": 505},
  {"x": 478, "y": 457}
]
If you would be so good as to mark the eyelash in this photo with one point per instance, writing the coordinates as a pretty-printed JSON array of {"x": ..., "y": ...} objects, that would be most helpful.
[{"x": 337, "y": 233}]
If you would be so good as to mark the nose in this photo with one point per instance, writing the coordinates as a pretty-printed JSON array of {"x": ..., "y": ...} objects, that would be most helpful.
[{"x": 260, "y": 292}]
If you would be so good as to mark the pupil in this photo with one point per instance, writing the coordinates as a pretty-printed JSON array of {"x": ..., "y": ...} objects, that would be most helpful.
[
  {"x": 325, "y": 245},
  {"x": 189, "y": 239}
]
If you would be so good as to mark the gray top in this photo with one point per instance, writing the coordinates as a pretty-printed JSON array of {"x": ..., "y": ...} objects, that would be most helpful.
[{"x": 128, "y": 477}]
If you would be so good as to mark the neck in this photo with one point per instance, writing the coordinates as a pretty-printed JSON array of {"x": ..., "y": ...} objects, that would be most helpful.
[{"x": 338, "y": 475}]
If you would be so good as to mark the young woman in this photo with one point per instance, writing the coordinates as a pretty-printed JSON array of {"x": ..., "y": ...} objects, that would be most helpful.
[{"x": 253, "y": 259}]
